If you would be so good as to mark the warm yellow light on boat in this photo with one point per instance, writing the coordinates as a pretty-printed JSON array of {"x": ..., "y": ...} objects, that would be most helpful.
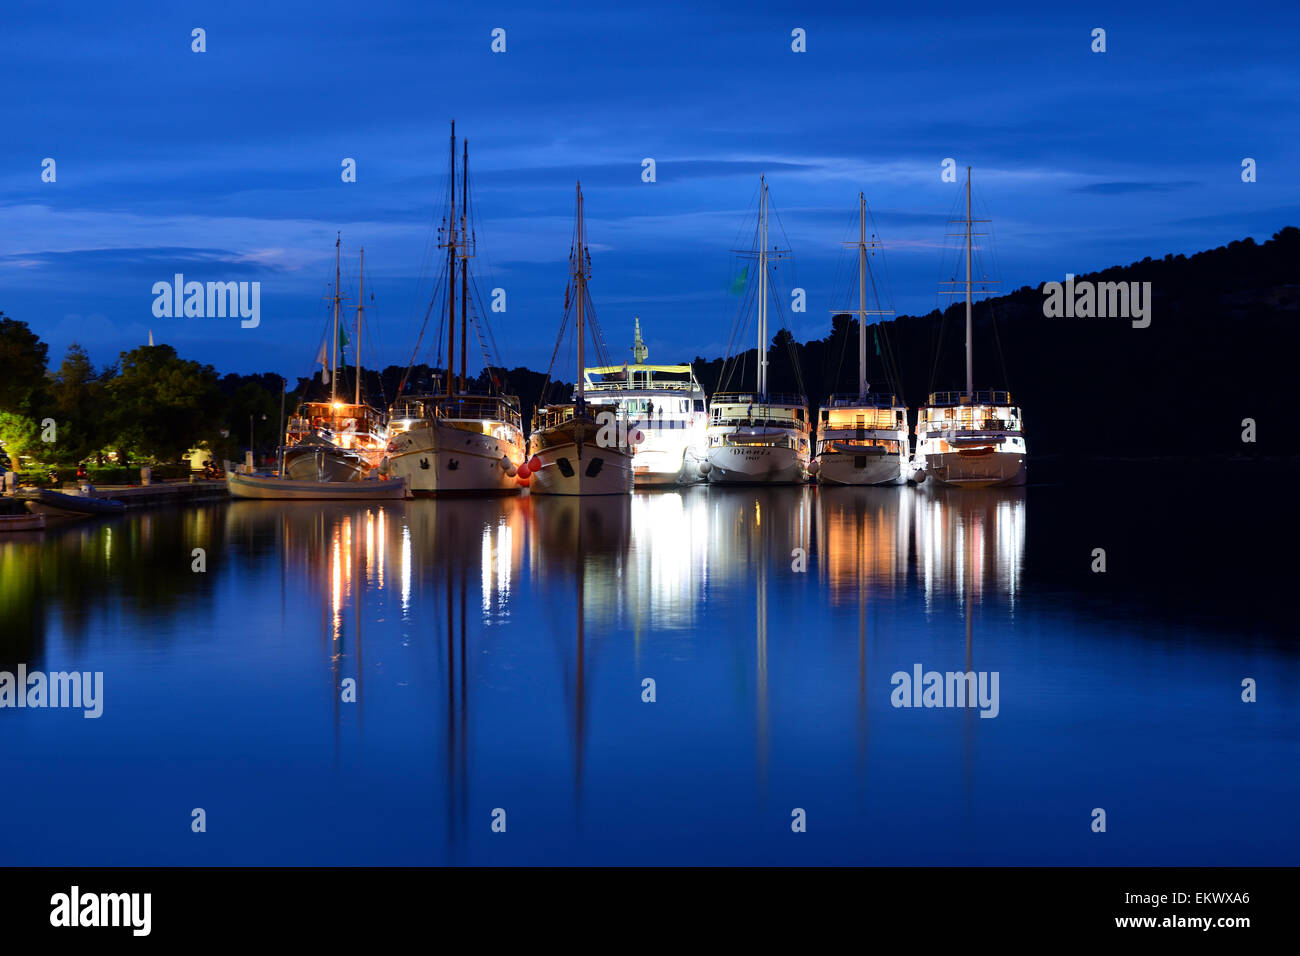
[{"x": 337, "y": 406}]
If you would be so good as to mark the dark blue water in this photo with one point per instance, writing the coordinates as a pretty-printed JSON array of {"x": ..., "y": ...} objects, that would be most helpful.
[{"x": 499, "y": 649}]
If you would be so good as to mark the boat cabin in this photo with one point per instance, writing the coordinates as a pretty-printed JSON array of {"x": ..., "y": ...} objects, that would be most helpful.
[
  {"x": 344, "y": 424},
  {"x": 480, "y": 413},
  {"x": 736, "y": 409},
  {"x": 954, "y": 418}
]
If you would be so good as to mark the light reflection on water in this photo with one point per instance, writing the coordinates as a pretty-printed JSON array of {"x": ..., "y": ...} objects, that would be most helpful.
[{"x": 499, "y": 650}]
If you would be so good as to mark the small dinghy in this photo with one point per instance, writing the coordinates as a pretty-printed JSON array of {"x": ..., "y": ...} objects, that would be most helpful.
[
  {"x": 21, "y": 523},
  {"x": 56, "y": 504},
  {"x": 266, "y": 487}
]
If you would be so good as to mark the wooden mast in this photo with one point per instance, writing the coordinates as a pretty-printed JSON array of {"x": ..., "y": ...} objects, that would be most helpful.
[
  {"x": 970, "y": 373},
  {"x": 580, "y": 288},
  {"x": 464, "y": 262},
  {"x": 334, "y": 344},
  {"x": 361, "y": 298},
  {"x": 862, "y": 297},
  {"x": 863, "y": 245},
  {"x": 762, "y": 288},
  {"x": 968, "y": 290},
  {"x": 451, "y": 268}
]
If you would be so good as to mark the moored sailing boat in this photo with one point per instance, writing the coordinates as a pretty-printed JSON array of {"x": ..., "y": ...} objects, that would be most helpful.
[
  {"x": 335, "y": 440},
  {"x": 757, "y": 437},
  {"x": 971, "y": 438},
  {"x": 579, "y": 448},
  {"x": 457, "y": 441},
  {"x": 862, "y": 438}
]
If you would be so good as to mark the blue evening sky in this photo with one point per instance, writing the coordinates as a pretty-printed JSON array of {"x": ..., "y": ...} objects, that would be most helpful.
[{"x": 225, "y": 165}]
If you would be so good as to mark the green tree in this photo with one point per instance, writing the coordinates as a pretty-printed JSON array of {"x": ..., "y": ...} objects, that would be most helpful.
[
  {"x": 19, "y": 435},
  {"x": 77, "y": 396},
  {"x": 160, "y": 405},
  {"x": 22, "y": 358},
  {"x": 258, "y": 397}
]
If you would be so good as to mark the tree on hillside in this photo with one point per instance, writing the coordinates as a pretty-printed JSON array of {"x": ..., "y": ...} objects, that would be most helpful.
[
  {"x": 22, "y": 358},
  {"x": 160, "y": 405}
]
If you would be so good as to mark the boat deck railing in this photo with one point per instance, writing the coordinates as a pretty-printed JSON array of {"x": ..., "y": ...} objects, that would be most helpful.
[
  {"x": 476, "y": 407},
  {"x": 940, "y": 426},
  {"x": 552, "y": 415},
  {"x": 870, "y": 400},
  {"x": 989, "y": 397},
  {"x": 753, "y": 398},
  {"x": 636, "y": 385},
  {"x": 839, "y": 429},
  {"x": 462, "y": 407}
]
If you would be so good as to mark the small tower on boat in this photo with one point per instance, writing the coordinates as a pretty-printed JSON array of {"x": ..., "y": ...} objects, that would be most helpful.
[{"x": 639, "y": 350}]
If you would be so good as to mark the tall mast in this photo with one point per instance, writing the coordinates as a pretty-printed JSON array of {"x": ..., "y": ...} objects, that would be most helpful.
[
  {"x": 862, "y": 296},
  {"x": 970, "y": 373},
  {"x": 580, "y": 282},
  {"x": 334, "y": 345},
  {"x": 967, "y": 287},
  {"x": 464, "y": 261},
  {"x": 451, "y": 268},
  {"x": 361, "y": 298},
  {"x": 762, "y": 287},
  {"x": 862, "y": 311}
]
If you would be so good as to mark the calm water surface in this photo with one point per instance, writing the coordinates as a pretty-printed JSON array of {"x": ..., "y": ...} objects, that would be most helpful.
[{"x": 499, "y": 650}]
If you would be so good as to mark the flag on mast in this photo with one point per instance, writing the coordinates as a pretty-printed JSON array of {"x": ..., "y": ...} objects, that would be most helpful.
[
  {"x": 738, "y": 286},
  {"x": 324, "y": 365}
]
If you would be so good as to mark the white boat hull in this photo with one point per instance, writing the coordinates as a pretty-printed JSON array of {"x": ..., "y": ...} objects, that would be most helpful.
[
  {"x": 842, "y": 468},
  {"x": 443, "y": 460},
  {"x": 265, "y": 487},
  {"x": 323, "y": 462},
  {"x": 999, "y": 469},
  {"x": 594, "y": 471},
  {"x": 756, "y": 464},
  {"x": 654, "y": 468}
]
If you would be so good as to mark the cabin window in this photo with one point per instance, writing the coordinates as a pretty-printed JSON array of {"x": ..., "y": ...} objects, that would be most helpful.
[{"x": 699, "y": 404}]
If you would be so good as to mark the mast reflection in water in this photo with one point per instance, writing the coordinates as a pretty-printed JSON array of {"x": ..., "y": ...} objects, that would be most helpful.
[{"x": 367, "y": 683}]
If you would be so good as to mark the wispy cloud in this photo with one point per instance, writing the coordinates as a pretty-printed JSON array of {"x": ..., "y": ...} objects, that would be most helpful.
[{"x": 1118, "y": 188}]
